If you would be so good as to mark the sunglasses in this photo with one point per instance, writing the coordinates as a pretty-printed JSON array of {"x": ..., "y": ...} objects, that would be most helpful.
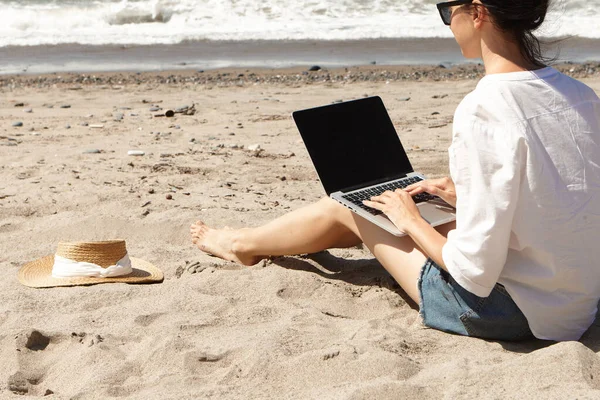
[{"x": 446, "y": 10}]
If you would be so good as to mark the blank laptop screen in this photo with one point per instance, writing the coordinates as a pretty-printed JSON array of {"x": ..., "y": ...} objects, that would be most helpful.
[{"x": 352, "y": 144}]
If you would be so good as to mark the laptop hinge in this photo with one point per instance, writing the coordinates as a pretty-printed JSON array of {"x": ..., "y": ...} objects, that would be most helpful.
[{"x": 373, "y": 183}]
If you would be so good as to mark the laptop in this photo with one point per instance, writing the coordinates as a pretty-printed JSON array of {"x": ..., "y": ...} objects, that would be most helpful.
[{"x": 357, "y": 154}]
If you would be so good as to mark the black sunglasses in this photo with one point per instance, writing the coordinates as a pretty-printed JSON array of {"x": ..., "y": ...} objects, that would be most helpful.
[{"x": 446, "y": 11}]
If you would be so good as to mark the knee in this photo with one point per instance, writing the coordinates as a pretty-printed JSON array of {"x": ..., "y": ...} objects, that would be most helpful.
[{"x": 332, "y": 209}]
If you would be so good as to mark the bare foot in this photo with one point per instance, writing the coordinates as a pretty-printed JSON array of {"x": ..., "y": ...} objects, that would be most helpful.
[{"x": 220, "y": 243}]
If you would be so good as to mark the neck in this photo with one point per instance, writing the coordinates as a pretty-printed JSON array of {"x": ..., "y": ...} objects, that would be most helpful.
[{"x": 503, "y": 56}]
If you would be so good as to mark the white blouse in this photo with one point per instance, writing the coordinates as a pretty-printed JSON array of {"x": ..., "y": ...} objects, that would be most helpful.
[{"x": 525, "y": 159}]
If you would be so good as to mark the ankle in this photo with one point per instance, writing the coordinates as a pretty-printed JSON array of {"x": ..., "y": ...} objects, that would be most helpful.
[{"x": 240, "y": 243}]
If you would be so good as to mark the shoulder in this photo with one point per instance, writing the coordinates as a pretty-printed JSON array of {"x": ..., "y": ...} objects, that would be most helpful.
[
  {"x": 488, "y": 110},
  {"x": 491, "y": 103},
  {"x": 488, "y": 121},
  {"x": 568, "y": 85}
]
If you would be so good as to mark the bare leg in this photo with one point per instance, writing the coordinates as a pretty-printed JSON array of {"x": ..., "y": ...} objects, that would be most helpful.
[
  {"x": 310, "y": 229},
  {"x": 323, "y": 225}
]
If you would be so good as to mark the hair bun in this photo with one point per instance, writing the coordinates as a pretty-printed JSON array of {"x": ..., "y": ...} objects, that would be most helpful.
[
  {"x": 534, "y": 23},
  {"x": 520, "y": 18}
]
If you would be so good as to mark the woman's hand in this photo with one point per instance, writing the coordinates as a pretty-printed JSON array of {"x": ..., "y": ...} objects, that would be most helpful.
[
  {"x": 399, "y": 207},
  {"x": 443, "y": 187}
]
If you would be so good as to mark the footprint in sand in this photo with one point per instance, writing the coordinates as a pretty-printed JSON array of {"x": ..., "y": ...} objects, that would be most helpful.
[
  {"x": 39, "y": 354},
  {"x": 206, "y": 362},
  {"x": 146, "y": 320},
  {"x": 28, "y": 379},
  {"x": 195, "y": 267},
  {"x": 331, "y": 354}
]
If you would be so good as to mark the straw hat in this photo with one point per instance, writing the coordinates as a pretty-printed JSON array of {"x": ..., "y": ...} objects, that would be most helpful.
[{"x": 81, "y": 263}]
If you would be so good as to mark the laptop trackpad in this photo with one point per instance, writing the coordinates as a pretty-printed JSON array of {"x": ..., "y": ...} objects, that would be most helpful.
[{"x": 437, "y": 213}]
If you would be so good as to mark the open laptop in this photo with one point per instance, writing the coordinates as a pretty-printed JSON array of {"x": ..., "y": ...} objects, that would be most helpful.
[{"x": 357, "y": 154}]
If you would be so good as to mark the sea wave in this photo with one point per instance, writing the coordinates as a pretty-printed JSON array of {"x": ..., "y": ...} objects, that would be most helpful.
[{"x": 102, "y": 22}]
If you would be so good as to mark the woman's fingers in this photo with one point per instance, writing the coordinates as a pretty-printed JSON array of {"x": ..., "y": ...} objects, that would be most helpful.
[
  {"x": 415, "y": 190},
  {"x": 424, "y": 188},
  {"x": 379, "y": 201},
  {"x": 382, "y": 197},
  {"x": 374, "y": 204}
]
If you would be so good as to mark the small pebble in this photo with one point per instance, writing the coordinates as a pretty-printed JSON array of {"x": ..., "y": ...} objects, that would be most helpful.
[
  {"x": 135, "y": 153},
  {"x": 19, "y": 104},
  {"x": 67, "y": 126},
  {"x": 65, "y": 106},
  {"x": 153, "y": 109},
  {"x": 169, "y": 196},
  {"x": 84, "y": 124},
  {"x": 17, "y": 124},
  {"x": 118, "y": 117},
  {"x": 28, "y": 110},
  {"x": 254, "y": 147},
  {"x": 92, "y": 151},
  {"x": 314, "y": 68}
]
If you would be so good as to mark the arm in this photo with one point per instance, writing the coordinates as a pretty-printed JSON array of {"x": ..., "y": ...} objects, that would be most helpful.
[
  {"x": 486, "y": 165},
  {"x": 443, "y": 188},
  {"x": 429, "y": 240},
  {"x": 403, "y": 212}
]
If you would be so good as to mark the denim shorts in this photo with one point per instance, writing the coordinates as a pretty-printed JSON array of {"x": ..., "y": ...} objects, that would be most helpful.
[{"x": 447, "y": 306}]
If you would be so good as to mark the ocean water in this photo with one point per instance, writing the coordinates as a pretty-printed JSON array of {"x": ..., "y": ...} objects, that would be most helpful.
[{"x": 152, "y": 22}]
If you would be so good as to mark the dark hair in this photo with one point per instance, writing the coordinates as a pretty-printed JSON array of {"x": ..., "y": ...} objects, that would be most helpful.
[{"x": 520, "y": 18}]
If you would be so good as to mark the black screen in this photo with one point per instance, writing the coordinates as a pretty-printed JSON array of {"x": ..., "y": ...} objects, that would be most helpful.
[{"x": 352, "y": 144}]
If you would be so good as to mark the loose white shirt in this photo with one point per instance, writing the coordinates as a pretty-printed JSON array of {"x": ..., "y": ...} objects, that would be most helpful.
[{"x": 525, "y": 159}]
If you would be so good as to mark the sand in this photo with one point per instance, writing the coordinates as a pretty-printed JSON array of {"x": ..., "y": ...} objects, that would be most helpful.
[{"x": 328, "y": 326}]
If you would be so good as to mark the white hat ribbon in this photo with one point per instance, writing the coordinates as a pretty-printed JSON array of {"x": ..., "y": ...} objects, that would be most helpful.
[{"x": 66, "y": 268}]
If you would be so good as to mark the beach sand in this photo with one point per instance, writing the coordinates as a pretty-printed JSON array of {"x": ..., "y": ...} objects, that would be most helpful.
[{"x": 333, "y": 325}]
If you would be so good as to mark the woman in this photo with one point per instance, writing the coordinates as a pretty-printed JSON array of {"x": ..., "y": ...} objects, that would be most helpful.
[{"x": 522, "y": 257}]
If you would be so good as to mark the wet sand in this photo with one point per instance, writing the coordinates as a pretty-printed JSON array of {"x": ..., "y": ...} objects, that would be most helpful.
[{"x": 208, "y": 55}]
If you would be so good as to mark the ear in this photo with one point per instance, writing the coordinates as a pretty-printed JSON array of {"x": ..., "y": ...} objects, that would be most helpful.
[{"x": 480, "y": 15}]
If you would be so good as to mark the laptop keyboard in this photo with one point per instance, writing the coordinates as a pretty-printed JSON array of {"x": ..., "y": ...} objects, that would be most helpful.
[{"x": 366, "y": 194}]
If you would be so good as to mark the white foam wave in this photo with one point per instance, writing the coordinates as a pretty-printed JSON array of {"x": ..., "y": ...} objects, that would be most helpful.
[{"x": 168, "y": 21}]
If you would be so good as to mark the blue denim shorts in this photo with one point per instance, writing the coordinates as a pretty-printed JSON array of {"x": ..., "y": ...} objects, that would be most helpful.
[{"x": 447, "y": 306}]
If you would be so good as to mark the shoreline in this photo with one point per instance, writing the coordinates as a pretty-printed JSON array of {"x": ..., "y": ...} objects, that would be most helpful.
[
  {"x": 297, "y": 76},
  {"x": 261, "y": 54}
]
